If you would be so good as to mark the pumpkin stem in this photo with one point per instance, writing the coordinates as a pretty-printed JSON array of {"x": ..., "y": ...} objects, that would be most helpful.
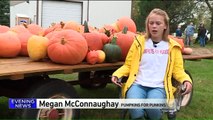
[
  {"x": 25, "y": 25},
  {"x": 114, "y": 40},
  {"x": 86, "y": 27},
  {"x": 63, "y": 41},
  {"x": 124, "y": 31},
  {"x": 53, "y": 24},
  {"x": 107, "y": 32},
  {"x": 62, "y": 24}
]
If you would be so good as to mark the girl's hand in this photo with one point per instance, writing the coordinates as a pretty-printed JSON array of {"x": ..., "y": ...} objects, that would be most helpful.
[
  {"x": 188, "y": 87},
  {"x": 114, "y": 80}
]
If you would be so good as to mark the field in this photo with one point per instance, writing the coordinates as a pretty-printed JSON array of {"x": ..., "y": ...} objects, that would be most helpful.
[{"x": 200, "y": 108}]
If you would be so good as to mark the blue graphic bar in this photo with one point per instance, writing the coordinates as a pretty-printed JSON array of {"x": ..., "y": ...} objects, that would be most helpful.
[{"x": 22, "y": 103}]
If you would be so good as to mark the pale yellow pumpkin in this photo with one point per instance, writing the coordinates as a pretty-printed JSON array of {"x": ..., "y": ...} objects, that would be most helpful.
[{"x": 37, "y": 47}]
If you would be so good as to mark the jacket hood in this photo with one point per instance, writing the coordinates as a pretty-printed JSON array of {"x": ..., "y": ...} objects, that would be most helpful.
[{"x": 173, "y": 43}]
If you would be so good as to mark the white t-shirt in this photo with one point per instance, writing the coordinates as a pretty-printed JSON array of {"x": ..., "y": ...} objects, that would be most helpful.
[{"x": 153, "y": 64}]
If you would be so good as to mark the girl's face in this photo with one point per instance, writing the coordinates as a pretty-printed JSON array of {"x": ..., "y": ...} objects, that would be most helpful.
[{"x": 156, "y": 27}]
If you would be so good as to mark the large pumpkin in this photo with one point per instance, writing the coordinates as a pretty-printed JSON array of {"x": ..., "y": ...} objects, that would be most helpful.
[
  {"x": 112, "y": 51},
  {"x": 67, "y": 47},
  {"x": 128, "y": 22},
  {"x": 3, "y": 28},
  {"x": 124, "y": 41},
  {"x": 10, "y": 45}
]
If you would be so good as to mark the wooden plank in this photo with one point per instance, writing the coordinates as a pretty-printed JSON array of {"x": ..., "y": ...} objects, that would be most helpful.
[
  {"x": 197, "y": 57},
  {"x": 17, "y": 67}
]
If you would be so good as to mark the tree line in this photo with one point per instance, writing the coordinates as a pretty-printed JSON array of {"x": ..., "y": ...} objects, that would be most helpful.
[{"x": 180, "y": 12}]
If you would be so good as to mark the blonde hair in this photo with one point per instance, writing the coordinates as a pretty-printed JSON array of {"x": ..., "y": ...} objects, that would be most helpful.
[{"x": 160, "y": 12}]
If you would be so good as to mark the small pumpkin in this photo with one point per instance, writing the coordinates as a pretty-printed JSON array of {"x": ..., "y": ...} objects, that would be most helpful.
[
  {"x": 92, "y": 57},
  {"x": 178, "y": 40},
  {"x": 112, "y": 51},
  {"x": 101, "y": 56},
  {"x": 37, "y": 47},
  {"x": 187, "y": 51}
]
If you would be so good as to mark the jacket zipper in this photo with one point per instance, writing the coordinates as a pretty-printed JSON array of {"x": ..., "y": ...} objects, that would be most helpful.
[{"x": 139, "y": 46}]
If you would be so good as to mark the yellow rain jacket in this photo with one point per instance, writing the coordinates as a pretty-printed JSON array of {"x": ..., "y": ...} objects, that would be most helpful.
[{"x": 174, "y": 66}]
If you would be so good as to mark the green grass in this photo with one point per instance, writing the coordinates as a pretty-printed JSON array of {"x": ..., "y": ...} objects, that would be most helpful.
[{"x": 200, "y": 108}]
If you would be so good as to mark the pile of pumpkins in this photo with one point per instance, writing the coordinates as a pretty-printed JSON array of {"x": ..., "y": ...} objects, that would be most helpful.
[{"x": 69, "y": 43}]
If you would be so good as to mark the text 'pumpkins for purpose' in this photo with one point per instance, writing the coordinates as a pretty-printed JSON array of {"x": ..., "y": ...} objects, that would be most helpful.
[{"x": 67, "y": 47}]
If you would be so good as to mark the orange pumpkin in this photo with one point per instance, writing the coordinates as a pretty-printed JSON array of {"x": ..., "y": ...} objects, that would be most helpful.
[
  {"x": 23, "y": 37},
  {"x": 19, "y": 29},
  {"x": 105, "y": 39},
  {"x": 179, "y": 40},
  {"x": 3, "y": 28},
  {"x": 94, "y": 39},
  {"x": 187, "y": 51},
  {"x": 51, "y": 34},
  {"x": 101, "y": 56},
  {"x": 128, "y": 22},
  {"x": 67, "y": 47},
  {"x": 72, "y": 25},
  {"x": 108, "y": 30},
  {"x": 124, "y": 41},
  {"x": 35, "y": 29},
  {"x": 53, "y": 27},
  {"x": 92, "y": 57},
  {"x": 10, "y": 44}
]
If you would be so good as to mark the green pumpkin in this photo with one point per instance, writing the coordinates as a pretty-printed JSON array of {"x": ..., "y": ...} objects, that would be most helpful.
[{"x": 112, "y": 51}]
